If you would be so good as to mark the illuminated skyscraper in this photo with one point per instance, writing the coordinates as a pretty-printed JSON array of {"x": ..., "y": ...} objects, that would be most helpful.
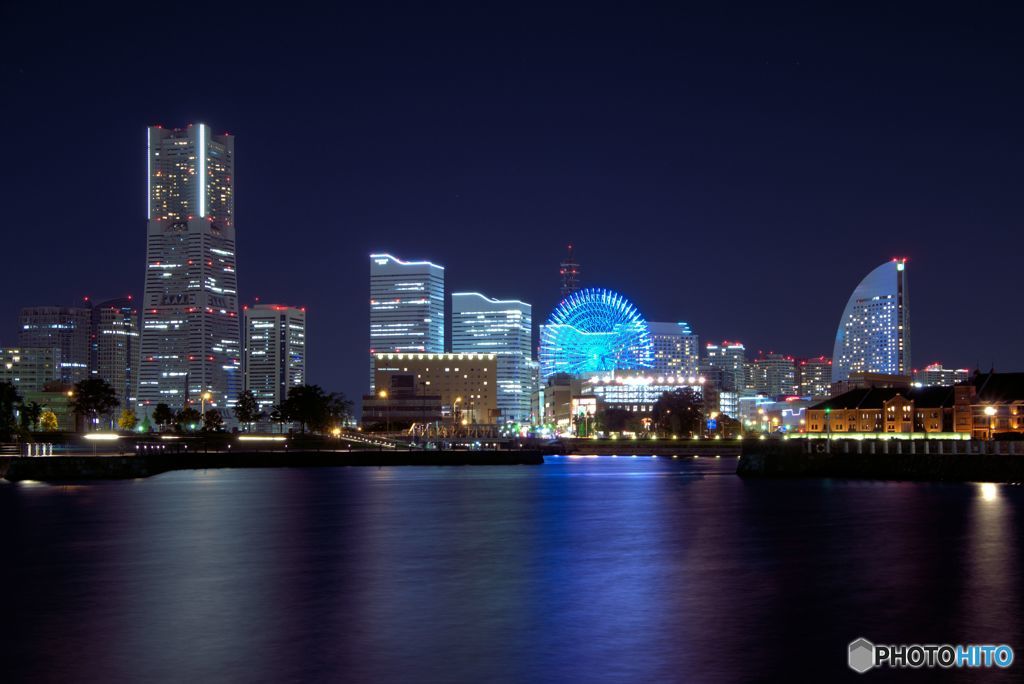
[
  {"x": 814, "y": 377},
  {"x": 406, "y": 306},
  {"x": 731, "y": 359},
  {"x": 774, "y": 375},
  {"x": 190, "y": 328},
  {"x": 275, "y": 352},
  {"x": 874, "y": 331},
  {"x": 569, "y": 270},
  {"x": 114, "y": 347},
  {"x": 504, "y": 328},
  {"x": 59, "y": 327},
  {"x": 676, "y": 349}
]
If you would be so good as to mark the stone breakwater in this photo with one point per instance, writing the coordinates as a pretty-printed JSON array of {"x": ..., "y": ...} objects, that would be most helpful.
[
  {"x": 951, "y": 461},
  {"x": 76, "y": 468}
]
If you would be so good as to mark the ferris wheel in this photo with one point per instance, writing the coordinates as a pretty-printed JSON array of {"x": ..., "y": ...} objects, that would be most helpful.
[{"x": 594, "y": 330}]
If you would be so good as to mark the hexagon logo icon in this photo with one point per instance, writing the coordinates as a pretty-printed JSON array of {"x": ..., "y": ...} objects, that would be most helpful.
[{"x": 861, "y": 655}]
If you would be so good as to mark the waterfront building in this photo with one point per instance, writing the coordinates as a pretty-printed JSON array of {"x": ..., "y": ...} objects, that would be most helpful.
[
  {"x": 987, "y": 406},
  {"x": 595, "y": 330},
  {"x": 275, "y": 352},
  {"x": 814, "y": 377},
  {"x": 406, "y": 306},
  {"x": 502, "y": 327},
  {"x": 874, "y": 331},
  {"x": 637, "y": 391},
  {"x": 868, "y": 380},
  {"x": 30, "y": 369},
  {"x": 676, "y": 349},
  {"x": 55, "y": 397},
  {"x": 935, "y": 375},
  {"x": 569, "y": 273},
  {"x": 59, "y": 327},
  {"x": 553, "y": 404},
  {"x": 466, "y": 384},
  {"x": 191, "y": 337},
  {"x": 730, "y": 358},
  {"x": 774, "y": 375},
  {"x": 114, "y": 347}
]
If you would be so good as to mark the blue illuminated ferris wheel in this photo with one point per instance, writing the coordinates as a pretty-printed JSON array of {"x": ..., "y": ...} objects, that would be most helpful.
[{"x": 594, "y": 330}]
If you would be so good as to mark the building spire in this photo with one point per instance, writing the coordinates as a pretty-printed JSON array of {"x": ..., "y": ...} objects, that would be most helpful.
[{"x": 569, "y": 270}]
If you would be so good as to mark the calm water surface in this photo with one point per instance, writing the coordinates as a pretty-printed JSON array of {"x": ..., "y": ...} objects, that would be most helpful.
[{"x": 590, "y": 570}]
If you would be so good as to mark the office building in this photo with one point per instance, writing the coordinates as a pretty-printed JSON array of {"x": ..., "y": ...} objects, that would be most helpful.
[
  {"x": 114, "y": 347},
  {"x": 730, "y": 358},
  {"x": 814, "y": 377},
  {"x": 502, "y": 327},
  {"x": 191, "y": 337},
  {"x": 637, "y": 391},
  {"x": 934, "y": 375},
  {"x": 773, "y": 375},
  {"x": 406, "y": 307},
  {"x": 30, "y": 369},
  {"x": 676, "y": 349},
  {"x": 465, "y": 384},
  {"x": 275, "y": 352},
  {"x": 874, "y": 331},
  {"x": 59, "y": 327}
]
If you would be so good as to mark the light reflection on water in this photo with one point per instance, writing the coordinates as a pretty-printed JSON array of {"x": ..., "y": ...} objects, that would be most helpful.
[{"x": 586, "y": 569}]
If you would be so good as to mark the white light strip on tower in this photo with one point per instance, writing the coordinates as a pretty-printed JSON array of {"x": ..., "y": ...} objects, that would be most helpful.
[
  {"x": 202, "y": 171},
  {"x": 149, "y": 173}
]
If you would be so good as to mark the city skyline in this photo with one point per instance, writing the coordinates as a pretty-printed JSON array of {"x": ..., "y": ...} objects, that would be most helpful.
[{"x": 634, "y": 211}]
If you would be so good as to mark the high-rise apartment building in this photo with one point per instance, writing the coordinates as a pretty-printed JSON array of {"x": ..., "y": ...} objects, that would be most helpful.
[
  {"x": 774, "y": 375},
  {"x": 874, "y": 331},
  {"x": 731, "y": 358},
  {"x": 502, "y": 327},
  {"x": 406, "y": 306},
  {"x": 569, "y": 272},
  {"x": 676, "y": 349},
  {"x": 814, "y": 377},
  {"x": 114, "y": 347},
  {"x": 63, "y": 328},
  {"x": 190, "y": 329},
  {"x": 934, "y": 375},
  {"x": 275, "y": 352}
]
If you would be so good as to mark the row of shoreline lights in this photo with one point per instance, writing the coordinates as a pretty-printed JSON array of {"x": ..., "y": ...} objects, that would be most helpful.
[{"x": 648, "y": 380}]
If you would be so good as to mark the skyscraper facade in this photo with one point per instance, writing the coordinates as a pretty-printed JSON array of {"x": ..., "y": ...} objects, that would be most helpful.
[
  {"x": 406, "y": 306},
  {"x": 874, "y": 331},
  {"x": 676, "y": 349},
  {"x": 731, "y": 358},
  {"x": 502, "y": 327},
  {"x": 29, "y": 369},
  {"x": 59, "y": 327},
  {"x": 275, "y": 352},
  {"x": 814, "y": 377},
  {"x": 114, "y": 347},
  {"x": 774, "y": 375},
  {"x": 569, "y": 272},
  {"x": 190, "y": 329}
]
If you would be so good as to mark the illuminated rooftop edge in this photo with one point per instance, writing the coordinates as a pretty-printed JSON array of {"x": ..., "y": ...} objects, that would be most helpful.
[
  {"x": 405, "y": 263},
  {"x": 450, "y": 356},
  {"x": 488, "y": 299}
]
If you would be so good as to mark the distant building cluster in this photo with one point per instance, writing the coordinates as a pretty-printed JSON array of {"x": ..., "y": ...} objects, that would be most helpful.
[
  {"x": 596, "y": 353},
  {"x": 185, "y": 339}
]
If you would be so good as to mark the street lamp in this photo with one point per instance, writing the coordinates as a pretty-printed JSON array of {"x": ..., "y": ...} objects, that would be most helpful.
[
  {"x": 203, "y": 398},
  {"x": 383, "y": 394},
  {"x": 990, "y": 411}
]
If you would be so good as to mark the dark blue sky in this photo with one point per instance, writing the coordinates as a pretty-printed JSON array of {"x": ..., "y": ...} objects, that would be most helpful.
[{"x": 740, "y": 168}]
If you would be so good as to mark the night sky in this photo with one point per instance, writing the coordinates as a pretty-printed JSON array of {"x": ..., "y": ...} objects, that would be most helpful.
[{"x": 739, "y": 168}]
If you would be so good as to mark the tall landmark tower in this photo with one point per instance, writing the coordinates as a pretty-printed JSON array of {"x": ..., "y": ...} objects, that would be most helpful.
[
  {"x": 190, "y": 329},
  {"x": 569, "y": 270},
  {"x": 874, "y": 331}
]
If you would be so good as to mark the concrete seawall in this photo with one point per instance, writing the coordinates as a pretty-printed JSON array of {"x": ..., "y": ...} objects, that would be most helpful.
[
  {"x": 76, "y": 468},
  {"x": 937, "y": 461}
]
